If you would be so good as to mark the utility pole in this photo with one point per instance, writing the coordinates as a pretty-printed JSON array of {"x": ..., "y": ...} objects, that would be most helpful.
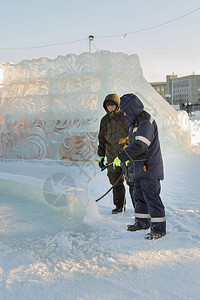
[{"x": 91, "y": 37}]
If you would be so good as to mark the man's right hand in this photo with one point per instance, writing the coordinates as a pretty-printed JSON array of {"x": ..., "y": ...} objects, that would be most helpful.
[{"x": 101, "y": 162}]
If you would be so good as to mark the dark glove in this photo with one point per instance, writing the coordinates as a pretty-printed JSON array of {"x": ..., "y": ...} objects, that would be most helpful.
[{"x": 101, "y": 162}]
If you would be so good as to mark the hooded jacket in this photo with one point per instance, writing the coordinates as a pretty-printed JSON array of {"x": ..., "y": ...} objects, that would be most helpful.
[
  {"x": 144, "y": 147},
  {"x": 113, "y": 133}
]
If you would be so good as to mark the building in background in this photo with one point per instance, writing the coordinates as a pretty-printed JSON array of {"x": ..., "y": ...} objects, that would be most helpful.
[
  {"x": 181, "y": 92},
  {"x": 160, "y": 87}
]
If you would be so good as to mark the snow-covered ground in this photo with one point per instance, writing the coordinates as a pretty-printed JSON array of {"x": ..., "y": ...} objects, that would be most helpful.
[{"x": 57, "y": 243}]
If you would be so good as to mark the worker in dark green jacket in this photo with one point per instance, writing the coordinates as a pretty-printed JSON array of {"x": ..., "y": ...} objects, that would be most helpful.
[{"x": 113, "y": 138}]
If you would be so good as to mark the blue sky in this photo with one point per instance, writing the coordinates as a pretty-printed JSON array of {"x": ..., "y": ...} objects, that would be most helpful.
[{"x": 174, "y": 47}]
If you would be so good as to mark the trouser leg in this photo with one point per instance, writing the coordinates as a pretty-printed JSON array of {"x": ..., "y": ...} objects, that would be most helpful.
[
  {"x": 131, "y": 188},
  {"x": 118, "y": 190},
  {"x": 142, "y": 217},
  {"x": 129, "y": 175},
  {"x": 151, "y": 195}
]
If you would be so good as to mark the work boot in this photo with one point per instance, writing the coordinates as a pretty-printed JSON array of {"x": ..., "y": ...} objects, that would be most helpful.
[
  {"x": 118, "y": 210},
  {"x": 137, "y": 226},
  {"x": 154, "y": 235}
]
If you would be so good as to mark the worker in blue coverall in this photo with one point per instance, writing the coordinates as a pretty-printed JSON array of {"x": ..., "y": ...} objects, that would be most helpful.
[{"x": 144, "y": 153}]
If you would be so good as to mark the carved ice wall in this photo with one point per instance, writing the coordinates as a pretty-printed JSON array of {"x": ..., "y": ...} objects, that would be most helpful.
[{"x": 52, "y": 108}]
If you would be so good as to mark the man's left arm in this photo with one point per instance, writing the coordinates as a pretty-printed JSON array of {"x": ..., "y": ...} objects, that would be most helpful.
[{"x": 142, "y": 140}]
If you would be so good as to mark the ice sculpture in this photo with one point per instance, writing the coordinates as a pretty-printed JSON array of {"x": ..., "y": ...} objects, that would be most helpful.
[{"x": 51, "y": 108}]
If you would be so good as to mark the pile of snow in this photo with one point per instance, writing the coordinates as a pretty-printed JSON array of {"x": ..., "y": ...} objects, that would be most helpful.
[{"x": 195, "y": 131}]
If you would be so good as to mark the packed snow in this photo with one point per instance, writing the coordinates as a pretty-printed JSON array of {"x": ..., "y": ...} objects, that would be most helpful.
[{"x": 57, "y": 242}]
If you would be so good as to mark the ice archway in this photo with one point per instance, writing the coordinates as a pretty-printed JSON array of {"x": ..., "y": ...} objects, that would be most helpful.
[{"x": 51, "y": 108}]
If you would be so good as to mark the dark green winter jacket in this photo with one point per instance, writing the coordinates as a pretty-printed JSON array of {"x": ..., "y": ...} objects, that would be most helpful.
[{"x": 113, "y": 133}]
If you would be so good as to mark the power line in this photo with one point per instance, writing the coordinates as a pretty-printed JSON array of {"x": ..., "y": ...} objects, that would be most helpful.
[
  {"x": 106, "y": 36},
  {"x": 44, "y": 46},
  {"x": 148, "y": 28}
]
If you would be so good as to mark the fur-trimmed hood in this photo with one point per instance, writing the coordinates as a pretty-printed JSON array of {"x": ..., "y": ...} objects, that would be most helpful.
[{"x": 112, "y": 98}]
